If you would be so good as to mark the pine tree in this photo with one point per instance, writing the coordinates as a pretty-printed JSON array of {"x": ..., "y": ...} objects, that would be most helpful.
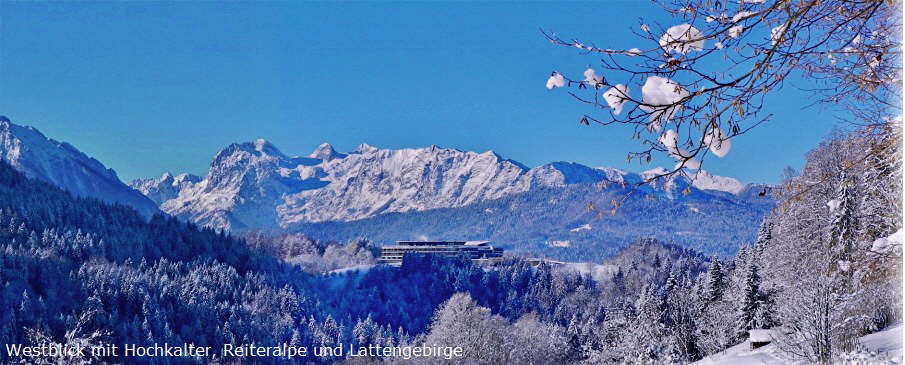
[
  {"x": 716, "y": 281},
  {"x": 844, "y": 225},
  {"x": 748, "y": 305},
  {"x": 359, "y": 333},
  {"x": 765, "y": 316},
  {"x": 764, "y": 235},
  {"x": 8, "y": 332},
  {"x": 573, "y": 332},
  {"x": 26, "y": 313}
]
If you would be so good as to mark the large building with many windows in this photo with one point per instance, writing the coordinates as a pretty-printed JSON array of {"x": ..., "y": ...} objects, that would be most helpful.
[{"x": 478, "y": 251}]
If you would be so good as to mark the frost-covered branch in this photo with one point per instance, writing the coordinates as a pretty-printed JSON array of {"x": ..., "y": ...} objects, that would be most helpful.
[{"x": 703, "y": 81}]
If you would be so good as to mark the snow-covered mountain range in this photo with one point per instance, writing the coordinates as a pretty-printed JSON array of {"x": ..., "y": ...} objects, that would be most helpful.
[
  {"x": 37, "y": 156},
  {"x": 434, "y": 192},
  {"x": 255, "y": 186}
]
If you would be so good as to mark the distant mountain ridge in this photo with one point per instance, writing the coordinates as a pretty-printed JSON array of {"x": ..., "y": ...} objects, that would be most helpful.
[
  {"x": 59, "y": 163},
  {"x": 253, "y": 185},
  {"x": 386, "y": 195}
]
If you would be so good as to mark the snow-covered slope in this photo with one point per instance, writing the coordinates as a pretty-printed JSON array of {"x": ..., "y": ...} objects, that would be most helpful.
[
  {"x": 59, "y": 163},
  {"x": 705, "y": 181},
  {"x": 886, "y": 343},
  {"x": 880, "y": 348},
  {"x": 701, "y": 180},
  {"x": 255, "y": 186},
  {"x": 742, "y": 354}
]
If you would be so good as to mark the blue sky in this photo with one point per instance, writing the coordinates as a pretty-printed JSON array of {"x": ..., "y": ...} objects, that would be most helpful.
[{"x": 148, "y": 87}]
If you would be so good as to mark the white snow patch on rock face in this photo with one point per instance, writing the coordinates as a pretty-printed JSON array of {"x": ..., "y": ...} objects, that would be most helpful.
[
  {"x": 325, "y": 152},
  {"x": 682, "y": 38},
  {"x": 613, "y": 174}
]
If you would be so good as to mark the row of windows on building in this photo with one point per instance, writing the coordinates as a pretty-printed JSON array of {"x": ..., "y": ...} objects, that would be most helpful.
[{"x": 478, "y": 251}]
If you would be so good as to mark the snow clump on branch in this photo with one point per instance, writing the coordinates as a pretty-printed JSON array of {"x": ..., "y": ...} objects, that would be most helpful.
[
  {"x": 660, "y": 97},
  {"x": 682, "y": 38},
  {"x": 615, "y": 97},
  {"x": 555, "y": 80},
  {"x": 777, "y": 33},
  {"x": 591, "y": 78},
  {"x": 718, "y": 142},
  {"x": 670, "y": 140},
  {"x": 742, "y": 15},
  {"x": 633, "y": 52}
]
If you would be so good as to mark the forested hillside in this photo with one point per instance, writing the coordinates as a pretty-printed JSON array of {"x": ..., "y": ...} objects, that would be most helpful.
[{"x": 78, "y": 270}]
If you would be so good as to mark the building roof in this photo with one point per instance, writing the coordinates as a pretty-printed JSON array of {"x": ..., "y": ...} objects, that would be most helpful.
[
  {"x": 760, "y": 335},
  {"x": 476, "y": 243},
  {"x": 443, "y": 243}
]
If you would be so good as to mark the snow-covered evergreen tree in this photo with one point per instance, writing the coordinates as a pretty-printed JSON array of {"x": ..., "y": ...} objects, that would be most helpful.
[
  {"x": 749, "y": 304},
  {"x": 716, "y": 281}
]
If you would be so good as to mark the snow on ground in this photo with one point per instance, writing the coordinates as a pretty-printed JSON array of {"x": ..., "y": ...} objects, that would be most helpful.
[
  {"x": 886, "y": 343},
  {"x": 742, "y": 354},
  {"x": 584, "y": 227},
  {"x": 884, "y": 245},
  {"x": 597, "y": 271},
  {"x": 565, "y": 243},
  {"x": 361, "y": 269}
]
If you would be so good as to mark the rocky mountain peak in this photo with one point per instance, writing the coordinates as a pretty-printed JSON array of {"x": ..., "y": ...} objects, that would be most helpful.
[
  {"x": 325, "y": 152},
  {"x": 59, "y": 163},
  {"x": 254, "y": 185}
]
